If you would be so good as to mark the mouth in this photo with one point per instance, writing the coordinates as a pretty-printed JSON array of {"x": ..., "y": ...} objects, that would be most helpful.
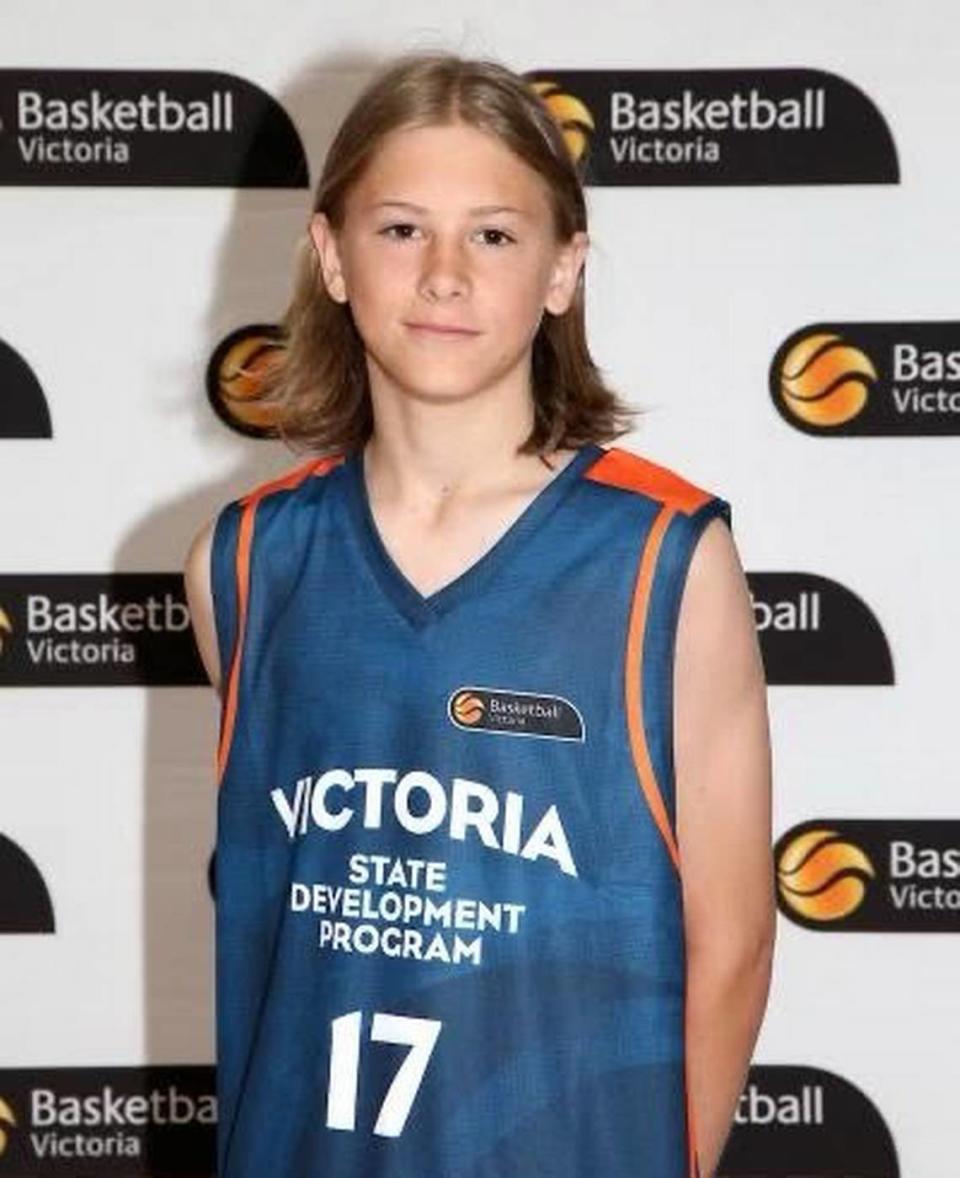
[{"x": 441, "y": 330}]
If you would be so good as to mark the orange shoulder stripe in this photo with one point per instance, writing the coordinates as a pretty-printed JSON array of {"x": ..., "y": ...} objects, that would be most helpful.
[
  {"x": 248, "y": 502},
  {"x": 633, "y": 683},
  {"x": 623, "y": 468},
  {"x": 294, "y": 476}
]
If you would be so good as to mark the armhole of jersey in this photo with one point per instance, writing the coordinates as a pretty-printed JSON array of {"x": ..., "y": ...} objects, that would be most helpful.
[
  {"x": 690, "y": 530},
  {"x": 229, "y": 581},
  {"x": 223, "y": 549},
  {"x": 651, "y": 651}
]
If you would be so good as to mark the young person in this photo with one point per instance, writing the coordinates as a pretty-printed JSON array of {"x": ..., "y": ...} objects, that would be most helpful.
[{"x": 494, "y": 888}]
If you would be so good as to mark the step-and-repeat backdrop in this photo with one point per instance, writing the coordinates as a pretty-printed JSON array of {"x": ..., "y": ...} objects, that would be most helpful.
[{"x": 773, "y": 277}]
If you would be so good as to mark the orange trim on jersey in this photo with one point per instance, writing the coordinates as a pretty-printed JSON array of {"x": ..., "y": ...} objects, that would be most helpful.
[
  {"x": 294, "y": 476},
  {"x": 633, "y": 685},
  {"x": 623, "y": 468},
  {"x": 249, "y": 502}
]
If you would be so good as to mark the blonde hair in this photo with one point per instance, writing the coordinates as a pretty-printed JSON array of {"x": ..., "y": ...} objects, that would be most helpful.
[{"x": 318, "y": 388}]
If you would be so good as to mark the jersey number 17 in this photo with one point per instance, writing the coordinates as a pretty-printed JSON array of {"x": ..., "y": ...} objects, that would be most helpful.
[{"x": 420, "y": 1034}]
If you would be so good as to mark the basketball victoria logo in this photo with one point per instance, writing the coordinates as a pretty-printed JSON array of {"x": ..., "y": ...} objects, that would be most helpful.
[{"x": 515, "y": 713}]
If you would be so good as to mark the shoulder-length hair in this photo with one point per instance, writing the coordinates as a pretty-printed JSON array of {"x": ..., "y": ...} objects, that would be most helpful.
[{"x": 317, "y": 388}]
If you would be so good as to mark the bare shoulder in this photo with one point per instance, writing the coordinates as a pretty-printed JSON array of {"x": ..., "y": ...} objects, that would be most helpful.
[
  {"x": 715, "y": 554},
  {"x": 196, "y": 582},
  {"x": 716, "y": 622}
]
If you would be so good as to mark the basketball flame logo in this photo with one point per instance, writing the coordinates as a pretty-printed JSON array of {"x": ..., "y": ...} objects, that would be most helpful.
[
  {"x": 573, "y": 117},
  {"x": 467, "y": 708},
  {"x": 6, "y": 1118},
  {"x": 821, "y": 877},
  {"x": 824, "y": 381},
  {"x": 6, "y": 627},
  {"x": 237, "y": 376}
]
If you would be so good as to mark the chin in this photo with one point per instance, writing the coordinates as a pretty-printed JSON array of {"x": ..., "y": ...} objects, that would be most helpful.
[
  {"x": 438, "y": 389},
  {"x": 440, "y": 379}
]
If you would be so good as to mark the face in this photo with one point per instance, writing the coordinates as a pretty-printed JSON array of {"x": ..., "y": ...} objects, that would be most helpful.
[{"x": 447, "y": 228}]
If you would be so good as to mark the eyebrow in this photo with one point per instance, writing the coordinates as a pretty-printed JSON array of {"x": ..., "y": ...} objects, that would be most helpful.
[{"x": 479, "y": 211}]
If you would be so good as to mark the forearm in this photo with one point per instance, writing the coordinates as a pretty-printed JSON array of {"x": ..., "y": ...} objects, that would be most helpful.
[{"x": 726, "y": 998}]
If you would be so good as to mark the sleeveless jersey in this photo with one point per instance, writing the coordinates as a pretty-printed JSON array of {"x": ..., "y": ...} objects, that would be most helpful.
[{"x": 449, "y": 927}]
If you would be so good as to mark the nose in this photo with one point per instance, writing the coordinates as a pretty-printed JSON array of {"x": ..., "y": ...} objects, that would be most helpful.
[{"x": 444, "y": 272}]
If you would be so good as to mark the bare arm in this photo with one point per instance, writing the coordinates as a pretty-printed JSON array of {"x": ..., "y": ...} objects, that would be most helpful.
[
  {"x": 196, "y": 580},
  {"x": 723, "y": 776}
]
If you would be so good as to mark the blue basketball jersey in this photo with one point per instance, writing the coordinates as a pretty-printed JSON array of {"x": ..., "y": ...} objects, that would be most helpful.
[{"x": 449, "y": 927}]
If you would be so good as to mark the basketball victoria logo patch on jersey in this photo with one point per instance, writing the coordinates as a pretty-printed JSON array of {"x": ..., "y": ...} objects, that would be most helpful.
[
  {"x": 441, "y": 952},
  {"x": 518, "y": 713}
]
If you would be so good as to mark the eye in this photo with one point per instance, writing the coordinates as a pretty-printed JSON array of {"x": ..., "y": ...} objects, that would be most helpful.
[
  {"x": 506, "y": 236},
  {"x": 387, "y": 231}
]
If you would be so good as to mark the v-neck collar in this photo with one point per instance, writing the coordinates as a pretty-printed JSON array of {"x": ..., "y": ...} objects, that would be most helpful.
[{"x": 418, "y": 609}]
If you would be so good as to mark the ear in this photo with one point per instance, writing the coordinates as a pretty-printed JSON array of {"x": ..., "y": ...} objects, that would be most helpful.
[
  {"x": 328, "y": 255},
  {"x": 566, "y": 272}
]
